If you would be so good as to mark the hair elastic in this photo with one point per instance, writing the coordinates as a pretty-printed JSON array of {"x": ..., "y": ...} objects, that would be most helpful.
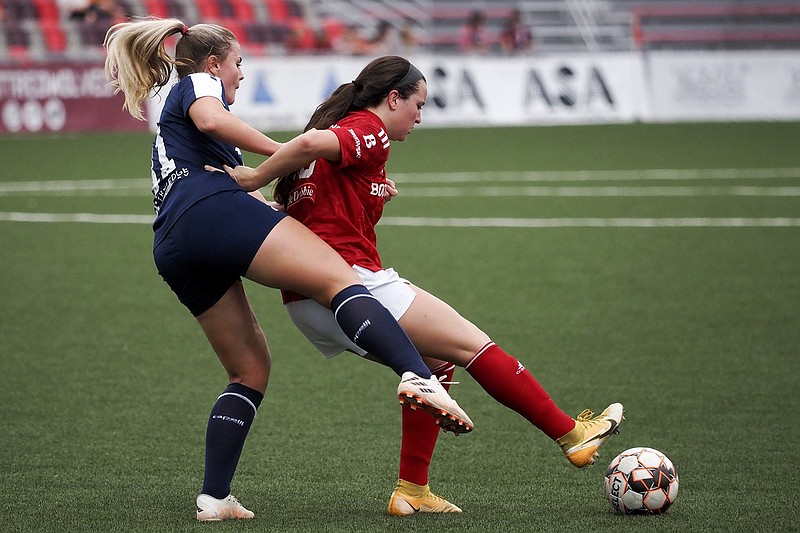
[
  {"x": 184, "y": 30},
  {"x": 357, "y": 84}
]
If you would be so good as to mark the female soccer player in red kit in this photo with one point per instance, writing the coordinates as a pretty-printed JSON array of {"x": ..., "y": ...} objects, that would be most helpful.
[{"x": 340, "y": 194}]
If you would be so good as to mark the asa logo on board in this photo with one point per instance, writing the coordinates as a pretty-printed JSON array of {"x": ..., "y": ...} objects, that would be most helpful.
[{"x": 562, "y": 86}]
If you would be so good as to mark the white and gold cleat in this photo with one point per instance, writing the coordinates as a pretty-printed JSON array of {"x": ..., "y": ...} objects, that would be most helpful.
[
  {"x": 210, "y": 509},
  {"x": 430, "y": 395}
]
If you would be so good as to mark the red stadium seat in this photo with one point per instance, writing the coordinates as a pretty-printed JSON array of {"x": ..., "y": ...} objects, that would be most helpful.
[
  {"x": 208, "y": 9},
  {"x": 243, "y": 10},
  {"x": 333, "y": 28},
  {"x": 216, "y": 10},
  {"x": 278, "y": 10},
  {"x": 54, "y": 37},
  {"x": 47, "y": 10},
  {"x": 156, "y": 8},
  {"x": 236, "y": 27}
]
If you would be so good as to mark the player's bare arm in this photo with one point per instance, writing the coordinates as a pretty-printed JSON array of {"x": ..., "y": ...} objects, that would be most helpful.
[
  {"x": 295, "y": 154},
  {"x": 211, "y": 117}
]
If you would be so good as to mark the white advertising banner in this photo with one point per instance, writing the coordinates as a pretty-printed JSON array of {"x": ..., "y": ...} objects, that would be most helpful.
[
  {"x": 281, "y": 94},
  {"x": 523, "y": 91},
  {"x": 685, "y": 86}
]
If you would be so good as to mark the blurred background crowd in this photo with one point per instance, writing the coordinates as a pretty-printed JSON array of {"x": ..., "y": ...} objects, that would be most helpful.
[{"x": 59, "y": 30}]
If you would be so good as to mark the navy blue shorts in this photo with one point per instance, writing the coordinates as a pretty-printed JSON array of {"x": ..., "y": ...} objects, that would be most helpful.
[{"x": 212, "y": 245}]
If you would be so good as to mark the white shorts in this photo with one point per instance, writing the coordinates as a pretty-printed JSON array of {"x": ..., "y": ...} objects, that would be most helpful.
[{"x": 316, "y": 322}]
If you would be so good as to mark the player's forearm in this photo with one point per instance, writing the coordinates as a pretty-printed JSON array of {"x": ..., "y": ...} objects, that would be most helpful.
[{"x": 298, "y": 153}]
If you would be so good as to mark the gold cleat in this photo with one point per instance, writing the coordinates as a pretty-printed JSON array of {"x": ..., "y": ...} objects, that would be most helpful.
[
  {"x": 582, "y": 443},
  {"x": 409, "y": 498}
]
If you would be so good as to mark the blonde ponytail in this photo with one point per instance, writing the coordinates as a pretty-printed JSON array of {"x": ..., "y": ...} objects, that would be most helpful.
[{"x": 137, "y": 60}]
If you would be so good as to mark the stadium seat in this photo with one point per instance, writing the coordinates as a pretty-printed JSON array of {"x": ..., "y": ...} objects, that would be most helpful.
[
  {"x": 16, "y": 10},
  {"x": 134, "y": 8},
  {"x": 47, "y": 10},
  {"x": 55, "y": 39},
  {"x": 226, "y": 9},
  {"x": 217, "y": 10},
  {"x": 243, "y": 10},
  {"x": 156, "y": 8},
  {"x": 236, "y": 27},
  {"x": 267, "y": 33},
  {"x": 260, "y": 12},
  {"x": 17, "y": 41},
  {"x": 208, "y": 10},
  {"x": 34, "y": 28},
  {"x": 92, "y": 35},
  {"x": 667, "y": 24},
  {"x": 333, "y": 28},
  {"x": 278, "y": 10},
  {"x": 177, "y": 9}
]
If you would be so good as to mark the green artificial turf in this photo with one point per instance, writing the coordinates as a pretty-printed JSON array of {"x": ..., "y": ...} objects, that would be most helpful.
[{"x": 106, "y": 381}]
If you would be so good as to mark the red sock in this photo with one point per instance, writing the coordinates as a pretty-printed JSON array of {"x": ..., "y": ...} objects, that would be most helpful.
[
  {"x": 419, "y": 437},
  {"x": 507, "y": 381}
]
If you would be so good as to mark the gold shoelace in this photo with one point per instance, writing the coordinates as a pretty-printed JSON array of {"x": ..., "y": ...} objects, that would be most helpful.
[{"x": 437, "y": 497}]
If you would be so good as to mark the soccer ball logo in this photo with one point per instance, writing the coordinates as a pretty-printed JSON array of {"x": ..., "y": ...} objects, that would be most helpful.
[{"x": 641, "y": 481}]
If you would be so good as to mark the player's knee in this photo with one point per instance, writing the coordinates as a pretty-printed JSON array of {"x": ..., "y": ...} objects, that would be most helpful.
[
  {"x": 332, "y": 286},
  {"x": 257, "y": 378}
]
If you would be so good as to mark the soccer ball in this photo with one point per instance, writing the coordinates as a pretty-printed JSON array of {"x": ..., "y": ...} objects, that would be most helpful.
[{"x": 641, "y": 481}]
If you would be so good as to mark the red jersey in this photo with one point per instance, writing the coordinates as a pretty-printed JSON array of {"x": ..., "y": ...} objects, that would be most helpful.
[{"x": 342, "y": 202}]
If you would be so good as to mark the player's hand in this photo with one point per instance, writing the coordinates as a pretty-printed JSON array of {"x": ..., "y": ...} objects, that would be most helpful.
[
  {"x": 260, "y": 197},
  {"x": 244, "y": 176},
  {"x": 391, "y": 190}
]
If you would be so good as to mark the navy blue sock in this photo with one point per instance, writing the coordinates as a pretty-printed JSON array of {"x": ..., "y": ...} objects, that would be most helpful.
[
  {"x": 372, "y": 327},
  {"x": 228, "y": 425}
]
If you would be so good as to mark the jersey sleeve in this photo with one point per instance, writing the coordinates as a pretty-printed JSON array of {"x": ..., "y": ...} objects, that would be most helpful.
[
  {"x": 199, "y": 85},
  {"x": 362, "y": 144}
]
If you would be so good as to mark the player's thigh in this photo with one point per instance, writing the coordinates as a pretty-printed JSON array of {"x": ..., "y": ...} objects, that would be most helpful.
[
  {"x": 236, "y": 337},
  {"x": 292, "y": 257},
  {"x": 439, "y": 331}
]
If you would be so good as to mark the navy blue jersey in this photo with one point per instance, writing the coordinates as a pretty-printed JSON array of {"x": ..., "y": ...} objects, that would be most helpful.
[{"x": 180, "y": 151}]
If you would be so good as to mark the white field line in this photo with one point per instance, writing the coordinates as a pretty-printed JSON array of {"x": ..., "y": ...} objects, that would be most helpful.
[
  {"x": 142, "y": 186},
  {"x": 458, "y": 222},
  {"x": 478, "y": 192},
  {"x": 125, "y": 186},
  {"x": 94, "y": 218},
  {"x": 598, "y": 175},
  {"x": 695, "y": 222},
  {"x": 594, "y": 192},
  {"x": 101, "y": 189}
]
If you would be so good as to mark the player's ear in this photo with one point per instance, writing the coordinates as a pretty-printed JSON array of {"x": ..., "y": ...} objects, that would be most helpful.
[
  {"x": 212, "y": 64},
  {"x": 393, "y": 99}
]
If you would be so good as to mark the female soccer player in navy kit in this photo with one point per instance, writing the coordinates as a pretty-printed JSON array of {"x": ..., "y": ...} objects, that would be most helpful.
[
  {"x": 339, "y": 195},
  {"x": 209, "y": 233}
]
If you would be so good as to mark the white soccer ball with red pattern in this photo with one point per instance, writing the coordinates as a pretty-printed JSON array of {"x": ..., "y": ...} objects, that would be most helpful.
[{"x": 641, "y": 481}]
